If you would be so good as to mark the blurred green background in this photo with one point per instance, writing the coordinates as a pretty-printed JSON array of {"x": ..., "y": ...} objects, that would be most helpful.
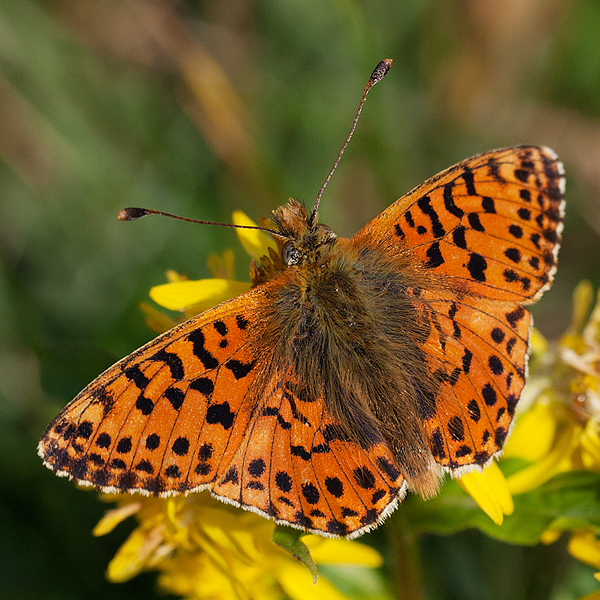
[{"x": 200, "y": 108}]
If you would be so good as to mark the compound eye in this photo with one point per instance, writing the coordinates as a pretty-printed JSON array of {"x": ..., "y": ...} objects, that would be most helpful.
[
  {"x": 290, "y": 254},
  {"x": 325, "y": 232}
]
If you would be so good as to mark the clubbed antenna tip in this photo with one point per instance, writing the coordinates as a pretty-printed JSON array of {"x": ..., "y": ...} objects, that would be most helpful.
[{"x": 380, "y": 71}]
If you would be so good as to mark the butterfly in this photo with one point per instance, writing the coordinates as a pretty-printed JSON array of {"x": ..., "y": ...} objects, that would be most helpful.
[{"x": 355, "y": 370}]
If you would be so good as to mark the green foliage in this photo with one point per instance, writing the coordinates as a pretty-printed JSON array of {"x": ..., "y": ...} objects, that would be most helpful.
[
  {"x": 291, "y": 541},
  {"x": 568, "y": 501}
]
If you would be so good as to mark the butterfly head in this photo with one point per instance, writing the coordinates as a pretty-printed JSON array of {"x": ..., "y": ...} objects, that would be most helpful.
[{"x": 301, "y": 241}]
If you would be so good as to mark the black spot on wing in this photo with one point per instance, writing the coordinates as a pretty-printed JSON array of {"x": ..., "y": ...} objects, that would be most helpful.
[
  {"x": 489, "y": 394},
  {"x": 311, "y": 493},
  {"x": 283, "y": 481},
  {"x": 437, "y": 444},
  {"x": 477, "y": 266},
  {"x": 198, "y": 340},
  {"x": 175, "y": 397},
  {"x": 515, "y": 316},
  {"x": 364, "y": 478},
  {"x": 257, "y": 467},
  {"x": 458, "y": 237},
  {"x": 135, "y": 375},
  {"x": 424, "y": 203},
  {"x": 124, "y": 445},
  {"x": 204, "y": 385},
  {"x": 103, "y": 441},
  {"x": 449, "y": 203},
  {"x": 388, "y": 468},
  {"x": 516, "y": 231},
  {"x": 398, "y": 231},
  {"x": 521, "y": 175},
  {"x": 475, "y": 222},
  {"x": 474, "y": 411},
  {"x": 334, "y": 486},
  {"x": 488, "y": 204},
  {"x": 300, "y": 452},
  {"x": 220, "y": 414},
  {"x": 153, "y": 441},
  {"x": 181, "y": 446},
  {"x": 144, "y": 405},
  {"x": 469, "y": 180},
  {"x": 85, "y": 430},
  {"x": 220, "y": 327},
  {"x": 172, "y": 361},
  {"x": 513, "y": 254},
  {"x": 434, "y": 256},
  {"x": 456, "y": 429},
  {"x": 240, "y": 369},
  {"x": 241, "y": 322}
]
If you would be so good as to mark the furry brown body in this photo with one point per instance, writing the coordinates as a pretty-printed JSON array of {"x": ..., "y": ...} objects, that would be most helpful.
[{"x": 343, "y": 318}]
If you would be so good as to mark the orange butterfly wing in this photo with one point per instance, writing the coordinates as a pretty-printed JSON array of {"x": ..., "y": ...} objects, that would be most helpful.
[
  {"x": 479, "y": 352},
  {"x": 166, "y": 417},
  {"x": 181, "y": 414},
  {"x": 294, "y": 466},
  {"x": 490, "y": 225},
  {"x": 487, "y": 231}
]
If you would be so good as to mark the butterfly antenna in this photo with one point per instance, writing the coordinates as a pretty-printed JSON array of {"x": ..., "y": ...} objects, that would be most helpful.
[
  {"x": 131, "y": 214},
  {"x": 381, "y": 70}
]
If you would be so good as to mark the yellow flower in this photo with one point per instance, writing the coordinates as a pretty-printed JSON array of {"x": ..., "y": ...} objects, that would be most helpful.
[
  {"x": 584, "y": 545},
  {"x": 561, "y": 429},
  {"x": 489, "y": 489},
  {"x": 203, "y": 548}
]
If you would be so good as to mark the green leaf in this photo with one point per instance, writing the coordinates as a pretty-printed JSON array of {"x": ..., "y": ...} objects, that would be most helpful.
[
  {"x": 290, "y": 540},
  {"x": 568, "y": 501}
]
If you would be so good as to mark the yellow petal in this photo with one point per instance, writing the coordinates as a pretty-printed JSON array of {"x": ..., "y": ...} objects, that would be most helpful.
[
  {"x": 585, "y": 546},
  {"x": 583, "y": 296},
  {"x": 533, "y": 433},
  {"x": 544, "y": 469},
  {"x": 331, "y": 551},
  {"x": 489, "y": 490},
  {"x": 256, "y": 243},
  {"x": 297, "y": 583},
  {"x": 155, "y": 320},
  {"x": 222, "y": 266},
  {"x": 115, "y": 516},
  {"x": 538, "y": 343},
  {"x": 550, "y": 536},
  {"x": 173, "y": 276},
  {"x": 201, "y": 294},
  {"x": 132, "y": 556},
  {"x": 590, "y": 445}
]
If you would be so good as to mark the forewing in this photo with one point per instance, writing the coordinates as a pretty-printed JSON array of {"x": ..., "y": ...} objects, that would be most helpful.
[
  {"x": 165, "y": 418},
  {"x": 490, "y": 225}
]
